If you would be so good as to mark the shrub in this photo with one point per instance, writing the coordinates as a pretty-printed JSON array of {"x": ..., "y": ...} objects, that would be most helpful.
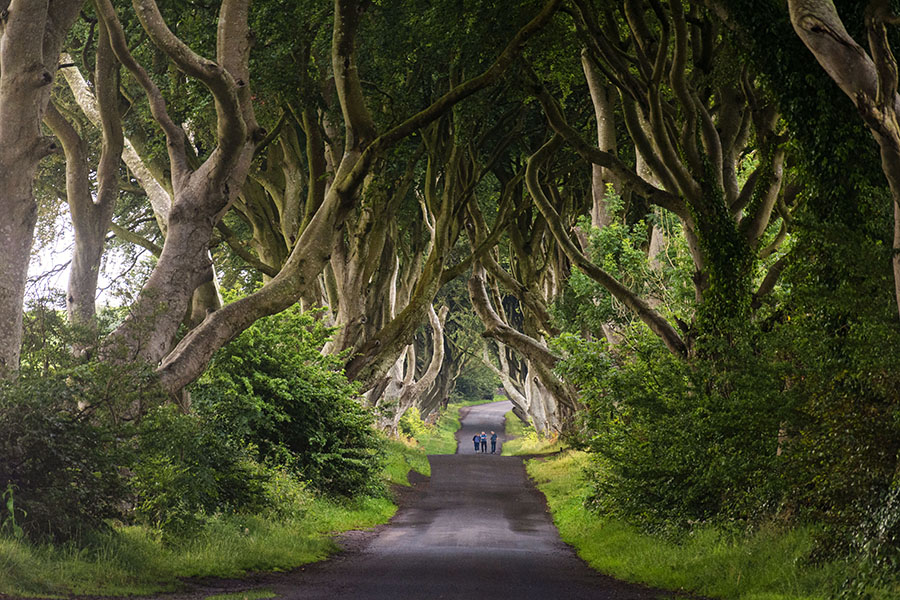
[
  {"x": 411, "y": 423},
  {"x": 680, "y": 441},
  {"x": 186, "y": 470},
  {"x": 61, "y": 453},
  {"x": 273, "y": 388}
]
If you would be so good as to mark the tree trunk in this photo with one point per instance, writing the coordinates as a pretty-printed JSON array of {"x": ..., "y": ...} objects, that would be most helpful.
[
  {"x": 31, "y": 36},
  {"x": 606, "y": 141}
]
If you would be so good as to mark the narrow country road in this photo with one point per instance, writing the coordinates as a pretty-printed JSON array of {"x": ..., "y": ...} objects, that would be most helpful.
[{"x": 479, "y": 531}]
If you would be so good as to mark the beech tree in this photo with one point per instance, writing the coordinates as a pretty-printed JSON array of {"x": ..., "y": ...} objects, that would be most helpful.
[
  {"x": 32, "y": 33},
  {"x": 868, "y": 78},
  {"x": 691, "y": 130}
]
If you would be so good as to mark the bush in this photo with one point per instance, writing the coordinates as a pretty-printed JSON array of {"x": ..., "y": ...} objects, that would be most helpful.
[
  {"x": 274, "y": 389},
  {"x": 412, "y": 425},
  {"x": 61, "y": 451},
  {"x": 680, "y": 441},
  {"x": 186, "y": 470}
]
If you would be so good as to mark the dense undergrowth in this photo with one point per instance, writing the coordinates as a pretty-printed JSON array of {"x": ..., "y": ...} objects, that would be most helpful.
[
  {"x": 770, "y": 562},
  {"x": 276, "y": 455},
  {"x": 137, "y": 559}
]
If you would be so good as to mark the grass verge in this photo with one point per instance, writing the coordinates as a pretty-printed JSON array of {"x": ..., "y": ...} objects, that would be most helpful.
[
  {"x": 132, "y": 560},
  {"x": 525, "y": 440},
  {"x": 768, "y": 565},
  {"x": 404, "y": 455},
  {"x": 440, "y": 438}
]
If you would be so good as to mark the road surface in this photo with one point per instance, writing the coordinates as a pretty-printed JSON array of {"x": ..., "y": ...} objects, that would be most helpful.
[{"x": 479, "y": 530}]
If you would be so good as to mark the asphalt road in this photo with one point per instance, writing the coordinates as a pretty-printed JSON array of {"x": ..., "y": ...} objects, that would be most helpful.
[{"x": 478, "y": 530}]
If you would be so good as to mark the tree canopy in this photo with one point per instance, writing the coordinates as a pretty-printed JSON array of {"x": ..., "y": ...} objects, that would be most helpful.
[{"x": 670, "y": 231}]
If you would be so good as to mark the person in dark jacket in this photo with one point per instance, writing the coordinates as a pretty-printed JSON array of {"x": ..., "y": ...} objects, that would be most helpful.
[
  {"x": 493, "y": 442},
  {"x": 477, "y": 439}
]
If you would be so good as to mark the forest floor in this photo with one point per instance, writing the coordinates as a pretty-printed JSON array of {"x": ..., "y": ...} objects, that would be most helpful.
[{"x": 477, "y": 528}]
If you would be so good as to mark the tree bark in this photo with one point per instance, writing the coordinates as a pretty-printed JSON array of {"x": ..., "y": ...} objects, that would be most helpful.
[
  {"x": 31, "y": 36},
  {"x": 870, "y": 84},
  {"x": 410, "y": 389},
  {"x": 541, "y": 358}
]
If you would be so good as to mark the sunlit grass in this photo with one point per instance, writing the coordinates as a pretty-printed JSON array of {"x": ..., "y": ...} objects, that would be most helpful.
[
  {"x": 404, "y": 455},
  {"x": 525, "y": 440},
  {"x": 771, "y": 564},
  {"x": 440, "y": 438}
]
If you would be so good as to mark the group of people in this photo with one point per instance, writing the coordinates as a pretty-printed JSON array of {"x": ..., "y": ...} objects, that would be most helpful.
[{"x": 480, "y": 441}]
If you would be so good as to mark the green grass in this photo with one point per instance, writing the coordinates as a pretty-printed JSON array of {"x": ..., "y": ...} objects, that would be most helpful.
[
  {"x": 525, "y": 440},
  {"x": 440, "y": 438},
  {"x": 132, "y": 560},
  {"x": 769, "y": 565}
]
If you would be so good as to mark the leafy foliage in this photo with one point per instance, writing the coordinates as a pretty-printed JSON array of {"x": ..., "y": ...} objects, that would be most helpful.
[
  {"x": 188, "y": 470},
  {"x": 411, "y": 423},
  {"x": 61, "y": 452},
  {"x": 272, "y": 388},
  {"x": 679, "y": 442}
]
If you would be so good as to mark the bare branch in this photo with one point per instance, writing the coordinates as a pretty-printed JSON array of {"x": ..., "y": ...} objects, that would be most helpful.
[
  {"x": 769, "y": 281},
  {"x": 594, "y": 155},
  {"x": 138, "y": 240}
]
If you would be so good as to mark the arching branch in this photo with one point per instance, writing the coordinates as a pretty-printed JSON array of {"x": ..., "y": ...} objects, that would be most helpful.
[{"x": 657, "y": 323}]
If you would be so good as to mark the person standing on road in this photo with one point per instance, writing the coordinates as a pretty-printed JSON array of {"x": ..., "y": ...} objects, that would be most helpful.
[
  {"x": 477, "y": 439},
  {"x": 483, "y": 442},
  {"x": 493, "y": 442}
]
